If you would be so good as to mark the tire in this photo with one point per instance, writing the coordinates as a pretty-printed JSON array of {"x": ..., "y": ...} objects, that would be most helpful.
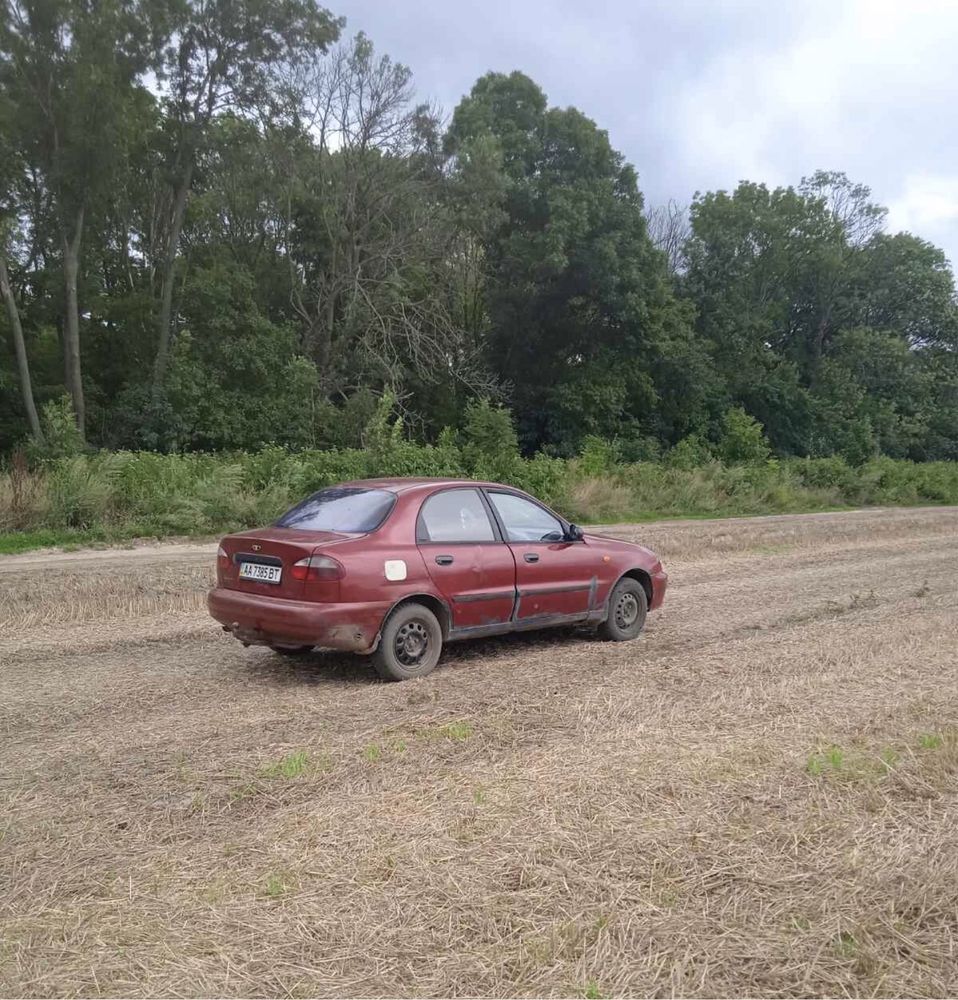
[
  {"x": 292, "y": 650},
  {"x": 410, "y": 644},
  {"x": 628, "y": 606}
]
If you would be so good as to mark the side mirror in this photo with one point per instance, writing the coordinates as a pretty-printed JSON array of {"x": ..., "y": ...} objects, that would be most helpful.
[{"x": 575, "y": 533}]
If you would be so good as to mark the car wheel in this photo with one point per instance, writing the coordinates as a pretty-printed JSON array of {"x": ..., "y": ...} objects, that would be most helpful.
[
  {"x": 292, "y": 650},
  {"x": 410, "y": 644},
  {"x": 628, "y": 607}
]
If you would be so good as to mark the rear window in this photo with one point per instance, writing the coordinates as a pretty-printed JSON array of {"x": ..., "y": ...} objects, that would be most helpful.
[{"x": 340, "y": 508}]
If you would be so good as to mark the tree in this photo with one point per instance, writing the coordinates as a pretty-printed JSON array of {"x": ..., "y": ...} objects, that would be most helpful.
[
  {"x": 372, "y": 244},
  {"x": 225, "y": 58},
  {"x": 905, "y": 284},
  {"x": 669, "y": 230},
  {"x": 69, "y": 67},
  {"x": 580, "y": 305},
  {"x": 10, "y": 168},
  {"x": 816, "y": 316},
  {"x": 848, "y": 203},
  {"x": 20, "y": 348}
]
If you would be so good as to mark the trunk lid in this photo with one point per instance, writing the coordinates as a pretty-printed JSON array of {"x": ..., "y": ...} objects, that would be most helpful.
[{"x": 280, "y": 548}]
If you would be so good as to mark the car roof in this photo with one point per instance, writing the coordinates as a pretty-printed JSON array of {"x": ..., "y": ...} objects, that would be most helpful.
[{"x": 401, "y": 484}]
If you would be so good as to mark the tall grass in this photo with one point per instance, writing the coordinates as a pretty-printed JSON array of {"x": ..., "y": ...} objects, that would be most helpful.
[{"x": 114, "y": 495}]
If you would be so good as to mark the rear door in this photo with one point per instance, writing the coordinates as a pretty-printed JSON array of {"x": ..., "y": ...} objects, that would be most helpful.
[
  {"x": 554, "y": 577},
  {"x": 466, "y": 558}
]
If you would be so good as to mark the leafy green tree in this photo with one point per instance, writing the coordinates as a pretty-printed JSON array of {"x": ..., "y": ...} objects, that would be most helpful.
[
  {"x": 10, "y": 169},
  {"x": 225, "y": 57},
  {"x": 579, "y": 301},
  {"x": 816, "y": 317},
  {"x": 70, "y": 68},
  {"x": 742, "y": 441},
  {"x": 905, "y": 284}
]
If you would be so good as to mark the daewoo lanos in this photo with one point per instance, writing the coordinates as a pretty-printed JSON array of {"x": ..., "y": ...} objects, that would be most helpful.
[{"x": 397, "y": 567}]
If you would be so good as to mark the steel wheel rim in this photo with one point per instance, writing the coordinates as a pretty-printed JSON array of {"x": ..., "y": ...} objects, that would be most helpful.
[
  {"x": 412, "y": 643},
  {"x": 626, "y": 610}
]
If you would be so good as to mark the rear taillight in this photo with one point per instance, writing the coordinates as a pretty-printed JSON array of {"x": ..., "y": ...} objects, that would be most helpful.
[
  {"x": 222, "y": 558},
  {"x": 318, "y": 568}
]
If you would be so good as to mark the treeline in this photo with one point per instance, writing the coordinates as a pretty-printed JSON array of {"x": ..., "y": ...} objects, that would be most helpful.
[{"x": 227, "y": 225}]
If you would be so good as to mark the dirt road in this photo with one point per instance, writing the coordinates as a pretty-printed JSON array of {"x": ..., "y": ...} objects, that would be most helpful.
[{"x": 758, "y": 797}]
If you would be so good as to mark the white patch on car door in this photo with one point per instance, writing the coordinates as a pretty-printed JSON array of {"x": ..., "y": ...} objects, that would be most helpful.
[{"x": 395, "y": 569}]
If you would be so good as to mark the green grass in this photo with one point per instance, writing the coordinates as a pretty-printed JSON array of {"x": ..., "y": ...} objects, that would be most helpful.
[
  {"x": 116, "y": 497},
  {"x": 845, "y": 945},
  {"x": 44, "y": 538},
  {"x": 276, "y": 886},
  {"x": 293, "y": 765},
  {"x": 832, "y": 759},
  {"x": 852, "y": 765},
  {"x": 455, "y": 731}
]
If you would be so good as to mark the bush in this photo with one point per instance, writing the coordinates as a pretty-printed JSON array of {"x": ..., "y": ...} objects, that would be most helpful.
[
  {"x": 691, "y": 452},
  {"x": 599, "y": 499},
  {"x": 81, "y": 491},
  {"x": 61, "y": 436},
  {"x": 128, "y": 493},
  {"x": 598, "y": 457},
  {"x": 490, "y": 448},
  {"x": 742, "y": 441}
]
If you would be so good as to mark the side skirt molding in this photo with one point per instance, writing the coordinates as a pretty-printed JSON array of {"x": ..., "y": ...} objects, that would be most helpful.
[{"x": 527, "y": 625}]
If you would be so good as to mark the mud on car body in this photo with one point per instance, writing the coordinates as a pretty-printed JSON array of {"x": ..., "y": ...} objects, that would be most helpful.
[{"x": 395, "y": 568}]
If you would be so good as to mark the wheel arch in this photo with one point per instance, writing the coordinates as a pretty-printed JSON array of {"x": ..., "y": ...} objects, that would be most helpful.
[
  {"x": 435, "y": 604},
  {"x": 642, "y": 576}
]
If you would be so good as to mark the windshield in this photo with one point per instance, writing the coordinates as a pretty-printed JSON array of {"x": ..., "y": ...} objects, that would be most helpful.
[{"x": 340, "y": 508}]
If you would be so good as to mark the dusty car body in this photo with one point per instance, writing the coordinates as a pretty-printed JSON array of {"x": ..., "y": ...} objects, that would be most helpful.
[{"x": 342, "y": 569}]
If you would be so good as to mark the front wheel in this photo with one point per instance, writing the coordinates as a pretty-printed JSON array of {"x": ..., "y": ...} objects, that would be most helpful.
[
  {"x": 410, "y": 644},
  {"x": 628, "y": 606}
]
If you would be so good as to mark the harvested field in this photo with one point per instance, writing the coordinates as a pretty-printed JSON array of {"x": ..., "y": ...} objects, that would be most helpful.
[{"x": 759, "y": 797}]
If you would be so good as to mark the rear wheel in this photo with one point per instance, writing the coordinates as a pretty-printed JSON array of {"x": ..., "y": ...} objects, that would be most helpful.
[
  {"x": 292, "y": 650},
  {"x": 410, "y": 644},
  {"x": 628, "y": 606}
]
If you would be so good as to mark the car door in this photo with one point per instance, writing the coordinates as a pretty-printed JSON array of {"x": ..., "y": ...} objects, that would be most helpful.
[
  {"x": 554, "y": 577},
  {"x": 466, "y": 558}
]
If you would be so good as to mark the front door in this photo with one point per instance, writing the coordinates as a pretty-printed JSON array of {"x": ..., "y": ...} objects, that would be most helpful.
[
  {"x": 554, "y": 577},
  {"x": 469, "y": 563}
]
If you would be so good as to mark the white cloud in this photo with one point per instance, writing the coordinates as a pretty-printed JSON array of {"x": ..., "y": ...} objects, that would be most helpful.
[
  {"x": 700, "y": 94},
  {"x": 927, "y": 202}
]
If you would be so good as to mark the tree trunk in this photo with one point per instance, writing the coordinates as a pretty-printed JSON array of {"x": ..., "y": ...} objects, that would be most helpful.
[
  {"x": 165, "y": 317},
  {"x": 20, "y": 349},
  {"x": 71, "y": 328}
]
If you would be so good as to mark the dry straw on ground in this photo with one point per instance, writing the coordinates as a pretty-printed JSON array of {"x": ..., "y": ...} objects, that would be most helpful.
[{"x": 758, "y": 798}]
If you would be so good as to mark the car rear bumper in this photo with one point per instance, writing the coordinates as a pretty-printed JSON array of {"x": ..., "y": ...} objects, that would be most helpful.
[
  {"x": 267, "y": 621},
  {"x": 660, "y": 581}
]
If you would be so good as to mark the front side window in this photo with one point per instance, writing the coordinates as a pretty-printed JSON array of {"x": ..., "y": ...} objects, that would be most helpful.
[
  {"x": 346, "y": 509},
  {"x": 454, "y": 516},
  {"x": 526, "y": 521}
]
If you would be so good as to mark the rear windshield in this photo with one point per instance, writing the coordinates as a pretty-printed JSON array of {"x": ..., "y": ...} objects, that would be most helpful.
[{"x": 340, "y": 508}]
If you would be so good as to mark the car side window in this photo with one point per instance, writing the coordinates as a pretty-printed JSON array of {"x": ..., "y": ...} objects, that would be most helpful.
[
  {"x": 526, "y": 521},
  {"x": 454, "y": 516}
]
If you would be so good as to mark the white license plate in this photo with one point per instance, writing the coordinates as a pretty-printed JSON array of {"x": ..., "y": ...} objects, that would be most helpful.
[{"x": 261, "y": 574}]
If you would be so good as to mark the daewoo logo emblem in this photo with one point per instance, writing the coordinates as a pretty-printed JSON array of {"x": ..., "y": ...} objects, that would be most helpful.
[{"x": 256, "y": 548}]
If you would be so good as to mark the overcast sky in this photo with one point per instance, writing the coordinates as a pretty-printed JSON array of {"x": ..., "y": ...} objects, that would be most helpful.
[{"x": 699, "y": 94}]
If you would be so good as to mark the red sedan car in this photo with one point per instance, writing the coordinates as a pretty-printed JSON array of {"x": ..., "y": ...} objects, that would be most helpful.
[{"x": 396, "y": 567}]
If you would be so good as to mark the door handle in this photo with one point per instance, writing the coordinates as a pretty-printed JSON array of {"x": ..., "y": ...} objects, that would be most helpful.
[
  {"x": 531, "y": 556},
  {"x": 444, "y": 560}
]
